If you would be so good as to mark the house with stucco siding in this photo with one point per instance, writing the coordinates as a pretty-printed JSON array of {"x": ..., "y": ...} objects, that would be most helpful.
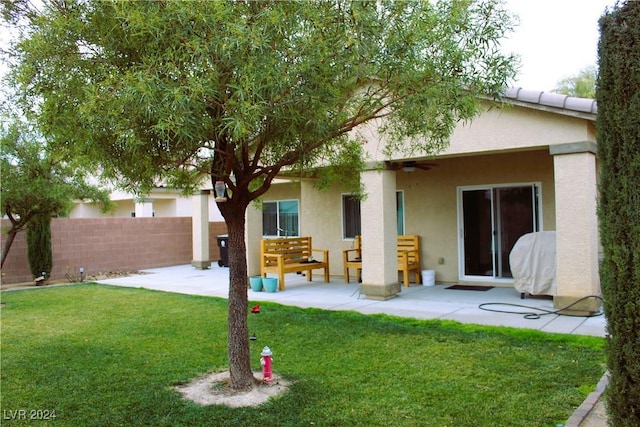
[{"x": 526, "y": 164}]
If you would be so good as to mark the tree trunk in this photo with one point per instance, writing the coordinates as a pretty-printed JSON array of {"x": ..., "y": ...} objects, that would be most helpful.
[
  {"x": 238, "y": 337},
  {"x": 7, "y": 245}
]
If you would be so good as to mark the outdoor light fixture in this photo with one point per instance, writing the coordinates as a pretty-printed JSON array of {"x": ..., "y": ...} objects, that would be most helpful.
[
  {"x": 220, "y": 188},
  {"x": 409, "y": 169}
]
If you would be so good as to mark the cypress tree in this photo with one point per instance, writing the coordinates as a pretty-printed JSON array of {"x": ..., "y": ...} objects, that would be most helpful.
[
  {"x": 618, "y": 134},
  {"x": 39, "y": 246}
]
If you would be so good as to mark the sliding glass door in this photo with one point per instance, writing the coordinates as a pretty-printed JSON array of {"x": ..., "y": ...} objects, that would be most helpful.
[{"x": 492, "y": 219}]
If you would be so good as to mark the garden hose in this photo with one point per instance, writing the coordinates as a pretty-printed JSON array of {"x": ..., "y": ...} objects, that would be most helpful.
[{"x": 543, "y": 312}]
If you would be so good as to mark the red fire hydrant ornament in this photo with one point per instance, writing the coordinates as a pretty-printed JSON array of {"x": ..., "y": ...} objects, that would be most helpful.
[{"x": 266, "y": 361}]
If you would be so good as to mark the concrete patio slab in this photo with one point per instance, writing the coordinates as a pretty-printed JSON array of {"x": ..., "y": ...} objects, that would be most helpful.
[{"x": 421, "y": 302}]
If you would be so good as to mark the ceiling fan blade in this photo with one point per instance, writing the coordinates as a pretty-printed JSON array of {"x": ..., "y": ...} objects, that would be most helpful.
[{"x": 425, "y": 166}]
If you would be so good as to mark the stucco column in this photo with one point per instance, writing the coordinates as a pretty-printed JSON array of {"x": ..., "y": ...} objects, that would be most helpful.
[
  {"x": 200, "y": 230},
  {"x": 144, "y": 208},
  {"x": 253, "y": 235},
  {"x": 576, "y": 225},
  {"x": 379, "y": 236}
]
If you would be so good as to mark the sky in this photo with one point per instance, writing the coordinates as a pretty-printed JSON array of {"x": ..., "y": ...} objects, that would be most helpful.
[{"x": 555, "y": 39}]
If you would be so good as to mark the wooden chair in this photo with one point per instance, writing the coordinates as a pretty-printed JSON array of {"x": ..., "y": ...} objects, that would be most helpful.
[
  {"x": 409, "y": 257},
  {"x": 352, "y": 258}
]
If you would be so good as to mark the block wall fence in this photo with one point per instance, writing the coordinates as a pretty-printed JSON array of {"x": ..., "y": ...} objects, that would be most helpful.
[{"x": 102, "y": 245}]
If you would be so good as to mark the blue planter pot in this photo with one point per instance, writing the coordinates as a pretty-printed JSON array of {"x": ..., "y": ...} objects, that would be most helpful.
[
  {"x": 270, "y": 284},
  {"x": 256, "y": 283}
]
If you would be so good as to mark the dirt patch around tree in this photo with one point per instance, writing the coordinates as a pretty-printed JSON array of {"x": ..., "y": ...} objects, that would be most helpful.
[{"x": 213, "y": 389}]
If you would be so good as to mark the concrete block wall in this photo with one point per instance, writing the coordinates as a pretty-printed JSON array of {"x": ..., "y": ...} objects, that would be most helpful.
[{"x": 110, "y": 244}]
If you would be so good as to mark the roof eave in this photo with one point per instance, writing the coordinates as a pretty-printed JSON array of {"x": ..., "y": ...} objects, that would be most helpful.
[{"x": 563, "y": 111}]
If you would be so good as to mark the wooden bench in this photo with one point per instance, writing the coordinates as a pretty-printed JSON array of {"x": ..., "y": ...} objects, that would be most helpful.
[
  {"x": 408, "y": 258},
  {"x": 291, "y": 255}
]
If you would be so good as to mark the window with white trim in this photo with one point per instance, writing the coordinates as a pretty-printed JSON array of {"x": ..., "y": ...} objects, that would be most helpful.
[{"x": 281, "y": 218}]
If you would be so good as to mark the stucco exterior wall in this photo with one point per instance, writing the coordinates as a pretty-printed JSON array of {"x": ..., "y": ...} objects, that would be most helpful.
[
  {"x": 85, "y": 210},
  {"x": 577, "y": 231},
  {"x": 321, "y": 218},
  {"x": 502, "y": 147},
  {"x": 431, "y": 199},
  {"x": 430, "y": 204},
  {"x": 512, "y": 128},
  {"x": 167, "y": 206},
  {"x": 504, "y": 129},
  {"x": 164, "y": 207},
  {"x": 124, "y": 208},
  {"x": 379, "y": 236}
]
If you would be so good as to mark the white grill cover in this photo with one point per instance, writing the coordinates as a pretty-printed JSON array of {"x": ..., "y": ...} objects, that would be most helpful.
[{"x": 533, "y": 263}]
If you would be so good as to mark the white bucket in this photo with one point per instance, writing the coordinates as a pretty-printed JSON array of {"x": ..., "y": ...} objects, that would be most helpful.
[{"x": 428, "y": 277}]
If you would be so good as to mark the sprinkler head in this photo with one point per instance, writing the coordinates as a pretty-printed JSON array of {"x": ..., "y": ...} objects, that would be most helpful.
[{"x": 253, "y": 337}]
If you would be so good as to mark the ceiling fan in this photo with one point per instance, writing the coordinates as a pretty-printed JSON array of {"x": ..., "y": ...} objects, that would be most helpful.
[{"x": 409, "y": 165}]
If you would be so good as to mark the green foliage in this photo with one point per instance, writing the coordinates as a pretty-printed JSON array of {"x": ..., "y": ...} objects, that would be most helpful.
[
  {"x": 101, "y": 355},
  {"x": 154, "y": 89},
  {"x": 242, "y": 91},
  {"x": 29, "y": 181},
  {"x": 38, "y": 180},
  {"x": 582, "y": 85},
  {"x": 39, "y": 246},
  {"x": 618, "y": 133}
]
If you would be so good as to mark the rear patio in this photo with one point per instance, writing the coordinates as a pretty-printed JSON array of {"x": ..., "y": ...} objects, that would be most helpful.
[{"x": 420, "y": 302}]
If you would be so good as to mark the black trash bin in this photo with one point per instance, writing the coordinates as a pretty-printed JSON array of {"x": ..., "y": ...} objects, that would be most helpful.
[{"x": 223, "y": 244}]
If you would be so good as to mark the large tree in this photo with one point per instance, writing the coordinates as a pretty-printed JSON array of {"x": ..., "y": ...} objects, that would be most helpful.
[
  {"x": 618, "y": 133},
  {"x": 244, "y": 90},
  {"x": 38, "y": 182}
]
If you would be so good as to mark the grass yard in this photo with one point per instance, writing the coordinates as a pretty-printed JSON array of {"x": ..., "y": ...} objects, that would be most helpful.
[{"x": 96, "y": 355}]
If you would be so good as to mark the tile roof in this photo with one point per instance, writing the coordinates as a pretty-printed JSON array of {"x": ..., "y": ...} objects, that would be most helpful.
[{"x": 553, "y": 100}]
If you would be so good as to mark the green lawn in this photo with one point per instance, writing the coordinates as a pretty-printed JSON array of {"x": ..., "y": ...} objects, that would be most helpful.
[{"x": 103, "y": 356}]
